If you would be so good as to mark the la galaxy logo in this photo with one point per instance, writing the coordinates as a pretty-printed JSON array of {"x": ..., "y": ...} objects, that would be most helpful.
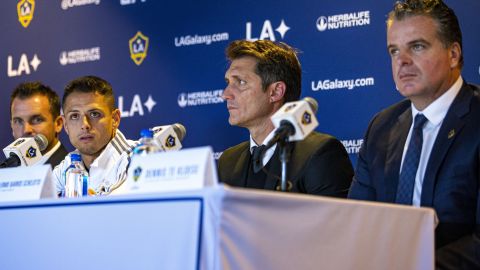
[
  {"x": 138, "y": 47},
  {"x": 25, "y": 9},
  {"x": 170, "y": 141},
  {"x": 267, "y": 31},
  {"x": 31, "y": 152},
  {"x": 136, "y": 173},
  {"x": 306, "y": 118}
]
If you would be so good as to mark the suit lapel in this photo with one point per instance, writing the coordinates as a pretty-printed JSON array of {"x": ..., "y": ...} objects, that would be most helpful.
[
  {"x": 452, "y": 125},
  {"x": 240, "y": 171},
  {"x": 396, "y": 143},
  {"x": 57, "y": 156}
]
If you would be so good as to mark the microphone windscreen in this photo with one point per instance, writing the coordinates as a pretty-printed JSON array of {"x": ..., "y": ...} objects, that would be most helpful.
[
  {"x": 313, "y": 103},
  {"x": 180, "y": 130},
  {"x": 41, "y": 141}
]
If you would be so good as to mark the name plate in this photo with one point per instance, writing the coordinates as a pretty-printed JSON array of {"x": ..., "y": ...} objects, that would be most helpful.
[
  {"x": 26, "y": 183},
  {"x": 186, "y": 169}
]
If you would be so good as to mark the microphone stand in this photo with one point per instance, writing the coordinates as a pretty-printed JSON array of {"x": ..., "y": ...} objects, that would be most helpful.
[
  {"x": 284, "y": 159},
  {"x": 281, "y": 138}
]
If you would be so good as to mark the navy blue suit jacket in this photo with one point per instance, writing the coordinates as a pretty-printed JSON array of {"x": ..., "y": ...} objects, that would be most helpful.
[{"x": 451, "y": 181}]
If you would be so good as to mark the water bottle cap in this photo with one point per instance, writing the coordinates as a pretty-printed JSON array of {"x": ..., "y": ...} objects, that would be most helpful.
[
  {"x": 75, "y": 157},
  {"x": 146, "y": 133}
]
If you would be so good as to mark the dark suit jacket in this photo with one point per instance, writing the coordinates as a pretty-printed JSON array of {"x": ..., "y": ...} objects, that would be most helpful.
[
  {"x": 57, "y": 156},
  {"x": 451, "y": 181},
  {"x": 318, "y": 165}
]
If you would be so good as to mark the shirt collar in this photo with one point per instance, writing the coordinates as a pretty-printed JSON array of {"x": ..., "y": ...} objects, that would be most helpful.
[
  {"x": 47, "y": 155},
  {"x": 437, "y": 110},
  {"x": 267, "y": 139},
  {"x": 117, "y": 145}
]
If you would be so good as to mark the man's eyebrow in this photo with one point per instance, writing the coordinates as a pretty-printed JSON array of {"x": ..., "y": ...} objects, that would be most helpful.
[
  {"x": 391, "y": 46},
  {"x": 420, "y": 40},
  {"x": 73, "y": 110},
  {"x": 29, "y": 117}
]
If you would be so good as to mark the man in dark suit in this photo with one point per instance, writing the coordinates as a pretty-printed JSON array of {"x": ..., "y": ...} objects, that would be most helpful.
[
  {"x": 425, "y": 150},
  {"x": 262, "y": 76},
  {"x": 35, "y": 109}
]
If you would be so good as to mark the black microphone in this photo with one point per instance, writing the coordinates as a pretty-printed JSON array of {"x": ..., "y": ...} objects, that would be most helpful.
[
  {"x": 12, "y": 161},
  {"x": 286, "y": 129},
  {"x": 23, "y": 151}
]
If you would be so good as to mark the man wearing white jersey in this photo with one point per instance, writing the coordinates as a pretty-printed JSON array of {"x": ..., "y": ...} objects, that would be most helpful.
[{"x": 91, "y": 121}]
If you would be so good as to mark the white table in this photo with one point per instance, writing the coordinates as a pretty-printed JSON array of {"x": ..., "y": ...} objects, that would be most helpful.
[{"x": 215, "y": 228}]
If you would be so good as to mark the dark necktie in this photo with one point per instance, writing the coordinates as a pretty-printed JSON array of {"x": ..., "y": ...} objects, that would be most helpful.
[
  {"x": 406, "y": 182},
  {"x": 257, "y": 157}
]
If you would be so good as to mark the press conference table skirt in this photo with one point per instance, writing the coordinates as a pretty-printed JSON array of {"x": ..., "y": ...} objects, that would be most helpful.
[{"x": 215, "y": 228}]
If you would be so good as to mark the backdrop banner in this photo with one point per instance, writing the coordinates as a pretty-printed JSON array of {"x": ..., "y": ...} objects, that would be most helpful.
[{"x": 166, "y": 62}]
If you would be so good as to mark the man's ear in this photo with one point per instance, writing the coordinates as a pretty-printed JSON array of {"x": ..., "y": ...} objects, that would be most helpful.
[
  {"x": 64, "y": 123},
  {"x": 455, "y": 55},
  {"x": 277, "y": 91},
  {"x": 116, "y": 118},
  {"x": 58, "y": 124}
]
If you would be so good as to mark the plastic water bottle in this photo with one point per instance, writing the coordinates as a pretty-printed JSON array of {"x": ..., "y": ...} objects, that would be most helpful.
[
  {"x": 76, "y": 178},
  {"x": 147, "y": 144}
]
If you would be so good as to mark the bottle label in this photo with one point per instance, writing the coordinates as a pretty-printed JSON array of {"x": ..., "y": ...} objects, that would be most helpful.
[{"x": 85, "y": 186}]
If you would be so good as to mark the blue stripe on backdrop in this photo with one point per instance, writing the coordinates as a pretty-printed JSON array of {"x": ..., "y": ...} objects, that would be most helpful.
[{"x": 181, "y": 76}]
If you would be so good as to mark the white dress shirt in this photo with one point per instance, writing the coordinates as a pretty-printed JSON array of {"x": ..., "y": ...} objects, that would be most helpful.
[
  {"x": 269, "y": 153},
  {"x": 47, "y": 155},
  {"x": 435, "y": 113}
]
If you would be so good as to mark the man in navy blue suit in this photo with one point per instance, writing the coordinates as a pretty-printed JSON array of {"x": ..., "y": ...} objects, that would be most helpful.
[{"x": 425, "y": 150}]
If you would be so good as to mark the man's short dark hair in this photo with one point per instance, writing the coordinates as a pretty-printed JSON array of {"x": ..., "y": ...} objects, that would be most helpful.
[
  {"x": 276, "y": 61},
  {"x": 448, "y": 27},
  {"x": 91, "y": 84},
  {"x": 29, "y": 89}
]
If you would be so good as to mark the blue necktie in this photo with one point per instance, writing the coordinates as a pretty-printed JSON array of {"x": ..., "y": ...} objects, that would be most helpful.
[{"x": 406, "y": 182}]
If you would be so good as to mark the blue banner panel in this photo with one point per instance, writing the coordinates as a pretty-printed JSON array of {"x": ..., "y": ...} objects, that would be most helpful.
[{"x": 166, "y": 62}]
